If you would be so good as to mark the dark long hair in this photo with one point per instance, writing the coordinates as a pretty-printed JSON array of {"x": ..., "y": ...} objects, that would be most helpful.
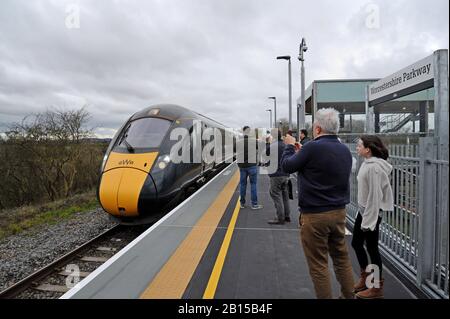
[{"x": 375, "y": 145}]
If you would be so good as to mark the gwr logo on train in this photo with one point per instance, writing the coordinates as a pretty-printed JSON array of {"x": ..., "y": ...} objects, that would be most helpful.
[{"x": 126, "y": 162}]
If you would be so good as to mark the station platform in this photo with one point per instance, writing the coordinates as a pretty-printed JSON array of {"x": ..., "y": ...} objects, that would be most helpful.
[{"x": 209, "y": 248}]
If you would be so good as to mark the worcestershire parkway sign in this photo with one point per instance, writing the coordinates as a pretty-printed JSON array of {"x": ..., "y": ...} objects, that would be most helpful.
[
  {"x": 413, "y": 78},
  {"x": 430, "y": 72}
]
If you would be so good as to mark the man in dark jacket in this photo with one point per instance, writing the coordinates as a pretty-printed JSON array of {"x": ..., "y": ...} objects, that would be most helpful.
[
  {"x": 279, "y": 184},
  {"x": 248, "y": 167},
  {"x": 304, "y": 137},
  {"x": 323, "y": 165}
]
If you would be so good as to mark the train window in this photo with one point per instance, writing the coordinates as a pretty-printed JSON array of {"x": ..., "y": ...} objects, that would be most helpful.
[{"x": 143, "y": 133}]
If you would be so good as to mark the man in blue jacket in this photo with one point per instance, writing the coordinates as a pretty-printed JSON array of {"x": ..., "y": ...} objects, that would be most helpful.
[
  {"x": 323, "y": 166},
  {"x": 279, "y": 184}
]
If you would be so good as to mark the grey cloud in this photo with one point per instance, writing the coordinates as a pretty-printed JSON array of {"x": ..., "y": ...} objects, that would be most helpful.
[{"x": 216, "y": 57}]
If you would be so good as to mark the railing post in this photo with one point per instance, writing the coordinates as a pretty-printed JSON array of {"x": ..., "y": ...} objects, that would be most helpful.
[
  {"x": 441, "y": 99},
  {"x": 427, "y": 211}
]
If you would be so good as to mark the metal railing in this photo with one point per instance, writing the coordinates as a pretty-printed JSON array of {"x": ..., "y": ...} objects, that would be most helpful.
[
  {"x": 440, "y": 260},
  {"x": 394, "y": 122},
  {"x": 414, "y": 237}
]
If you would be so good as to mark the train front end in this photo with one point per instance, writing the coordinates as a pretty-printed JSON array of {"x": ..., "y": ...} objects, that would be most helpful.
[{"x": 127, "y": 191}]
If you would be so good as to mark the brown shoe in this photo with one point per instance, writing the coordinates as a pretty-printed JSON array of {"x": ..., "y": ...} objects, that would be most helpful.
[
  {"x": 372, "y": 293},
  {"x": 361, "y": 284}
]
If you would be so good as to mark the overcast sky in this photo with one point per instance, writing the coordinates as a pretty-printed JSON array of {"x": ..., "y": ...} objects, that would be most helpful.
[{"x": 215, "y": 57}]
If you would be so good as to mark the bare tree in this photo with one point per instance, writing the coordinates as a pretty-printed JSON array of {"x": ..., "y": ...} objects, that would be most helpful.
[{"x": 47, "y": 156}]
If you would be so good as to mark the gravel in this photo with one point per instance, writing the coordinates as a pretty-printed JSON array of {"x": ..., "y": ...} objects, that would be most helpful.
[{"x": 24, "y": 253}]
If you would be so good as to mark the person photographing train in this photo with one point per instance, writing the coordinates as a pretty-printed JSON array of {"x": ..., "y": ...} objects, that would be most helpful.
[
  {"x": 297, "y": 145},
  {"x": 279, "y": 184},
  {"x": 304, "y": 137},
  {"x": 323, "y": 166}
]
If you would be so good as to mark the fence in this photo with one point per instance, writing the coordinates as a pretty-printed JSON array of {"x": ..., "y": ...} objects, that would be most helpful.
[{"x": 414, "y": 237}]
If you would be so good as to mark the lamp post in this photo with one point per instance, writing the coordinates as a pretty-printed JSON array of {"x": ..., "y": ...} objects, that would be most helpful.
[
  {"x": 287, "y": 57},
  {"x": 270, "y": 125},
  {"x": 274, "y": 108},
  {"x": 301, "y": 109}
]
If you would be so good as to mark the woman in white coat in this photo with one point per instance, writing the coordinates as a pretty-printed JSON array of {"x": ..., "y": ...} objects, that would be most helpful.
[{"x": 374, "y": 196}]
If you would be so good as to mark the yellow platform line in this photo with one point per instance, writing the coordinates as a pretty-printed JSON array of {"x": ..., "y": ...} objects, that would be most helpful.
[
  {"x": 210, "y": 290},
  {"x": 173, "y": 278}
]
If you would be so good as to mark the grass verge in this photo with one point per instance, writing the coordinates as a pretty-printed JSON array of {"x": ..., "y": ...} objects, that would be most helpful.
[{"x": 14, "y": 221}]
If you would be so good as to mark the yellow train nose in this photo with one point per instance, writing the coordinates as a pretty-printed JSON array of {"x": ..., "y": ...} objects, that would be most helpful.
[
  {"x": 122, "y": 182},
  {"x": 120, "y": 189}
]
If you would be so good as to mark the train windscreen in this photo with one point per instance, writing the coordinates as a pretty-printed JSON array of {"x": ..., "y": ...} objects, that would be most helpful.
[{"x": 143, "y": 133}]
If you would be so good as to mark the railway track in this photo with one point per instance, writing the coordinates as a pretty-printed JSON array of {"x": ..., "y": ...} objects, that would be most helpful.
[{"x": 55, "y": 279}]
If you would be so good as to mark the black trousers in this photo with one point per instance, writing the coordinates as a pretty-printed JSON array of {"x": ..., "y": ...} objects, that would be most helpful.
[{"x": 370, "y": 238}]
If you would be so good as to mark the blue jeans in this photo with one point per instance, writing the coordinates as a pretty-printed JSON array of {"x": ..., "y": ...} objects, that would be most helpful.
[{"x": 251, "y": 172}]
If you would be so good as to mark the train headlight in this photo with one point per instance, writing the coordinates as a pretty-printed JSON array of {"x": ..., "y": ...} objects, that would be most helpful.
[
  {"x": 163, "y": 161},
  {"x": 162, "y": 165}
]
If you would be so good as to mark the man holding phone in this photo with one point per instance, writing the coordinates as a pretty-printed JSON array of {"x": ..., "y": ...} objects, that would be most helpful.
[
  {"x": 279, "y": 184},
  {"x": 323, "y": 166}
]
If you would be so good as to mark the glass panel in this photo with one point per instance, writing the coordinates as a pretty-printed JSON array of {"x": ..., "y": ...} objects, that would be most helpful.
[
  {"x": 413, "y": 113},
  {"x": 342, "y": 91},
  {"x": 143, "y": 133}
]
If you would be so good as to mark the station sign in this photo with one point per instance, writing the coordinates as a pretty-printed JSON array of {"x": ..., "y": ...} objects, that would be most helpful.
[{"x": 416, "y": 77}]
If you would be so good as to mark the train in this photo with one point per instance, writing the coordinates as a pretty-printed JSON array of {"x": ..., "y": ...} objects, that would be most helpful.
[{"x": 140, "y": 180}]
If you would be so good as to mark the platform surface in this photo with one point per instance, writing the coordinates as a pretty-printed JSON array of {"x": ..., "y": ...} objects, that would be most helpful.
[{"x": 210, "y": 248}]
